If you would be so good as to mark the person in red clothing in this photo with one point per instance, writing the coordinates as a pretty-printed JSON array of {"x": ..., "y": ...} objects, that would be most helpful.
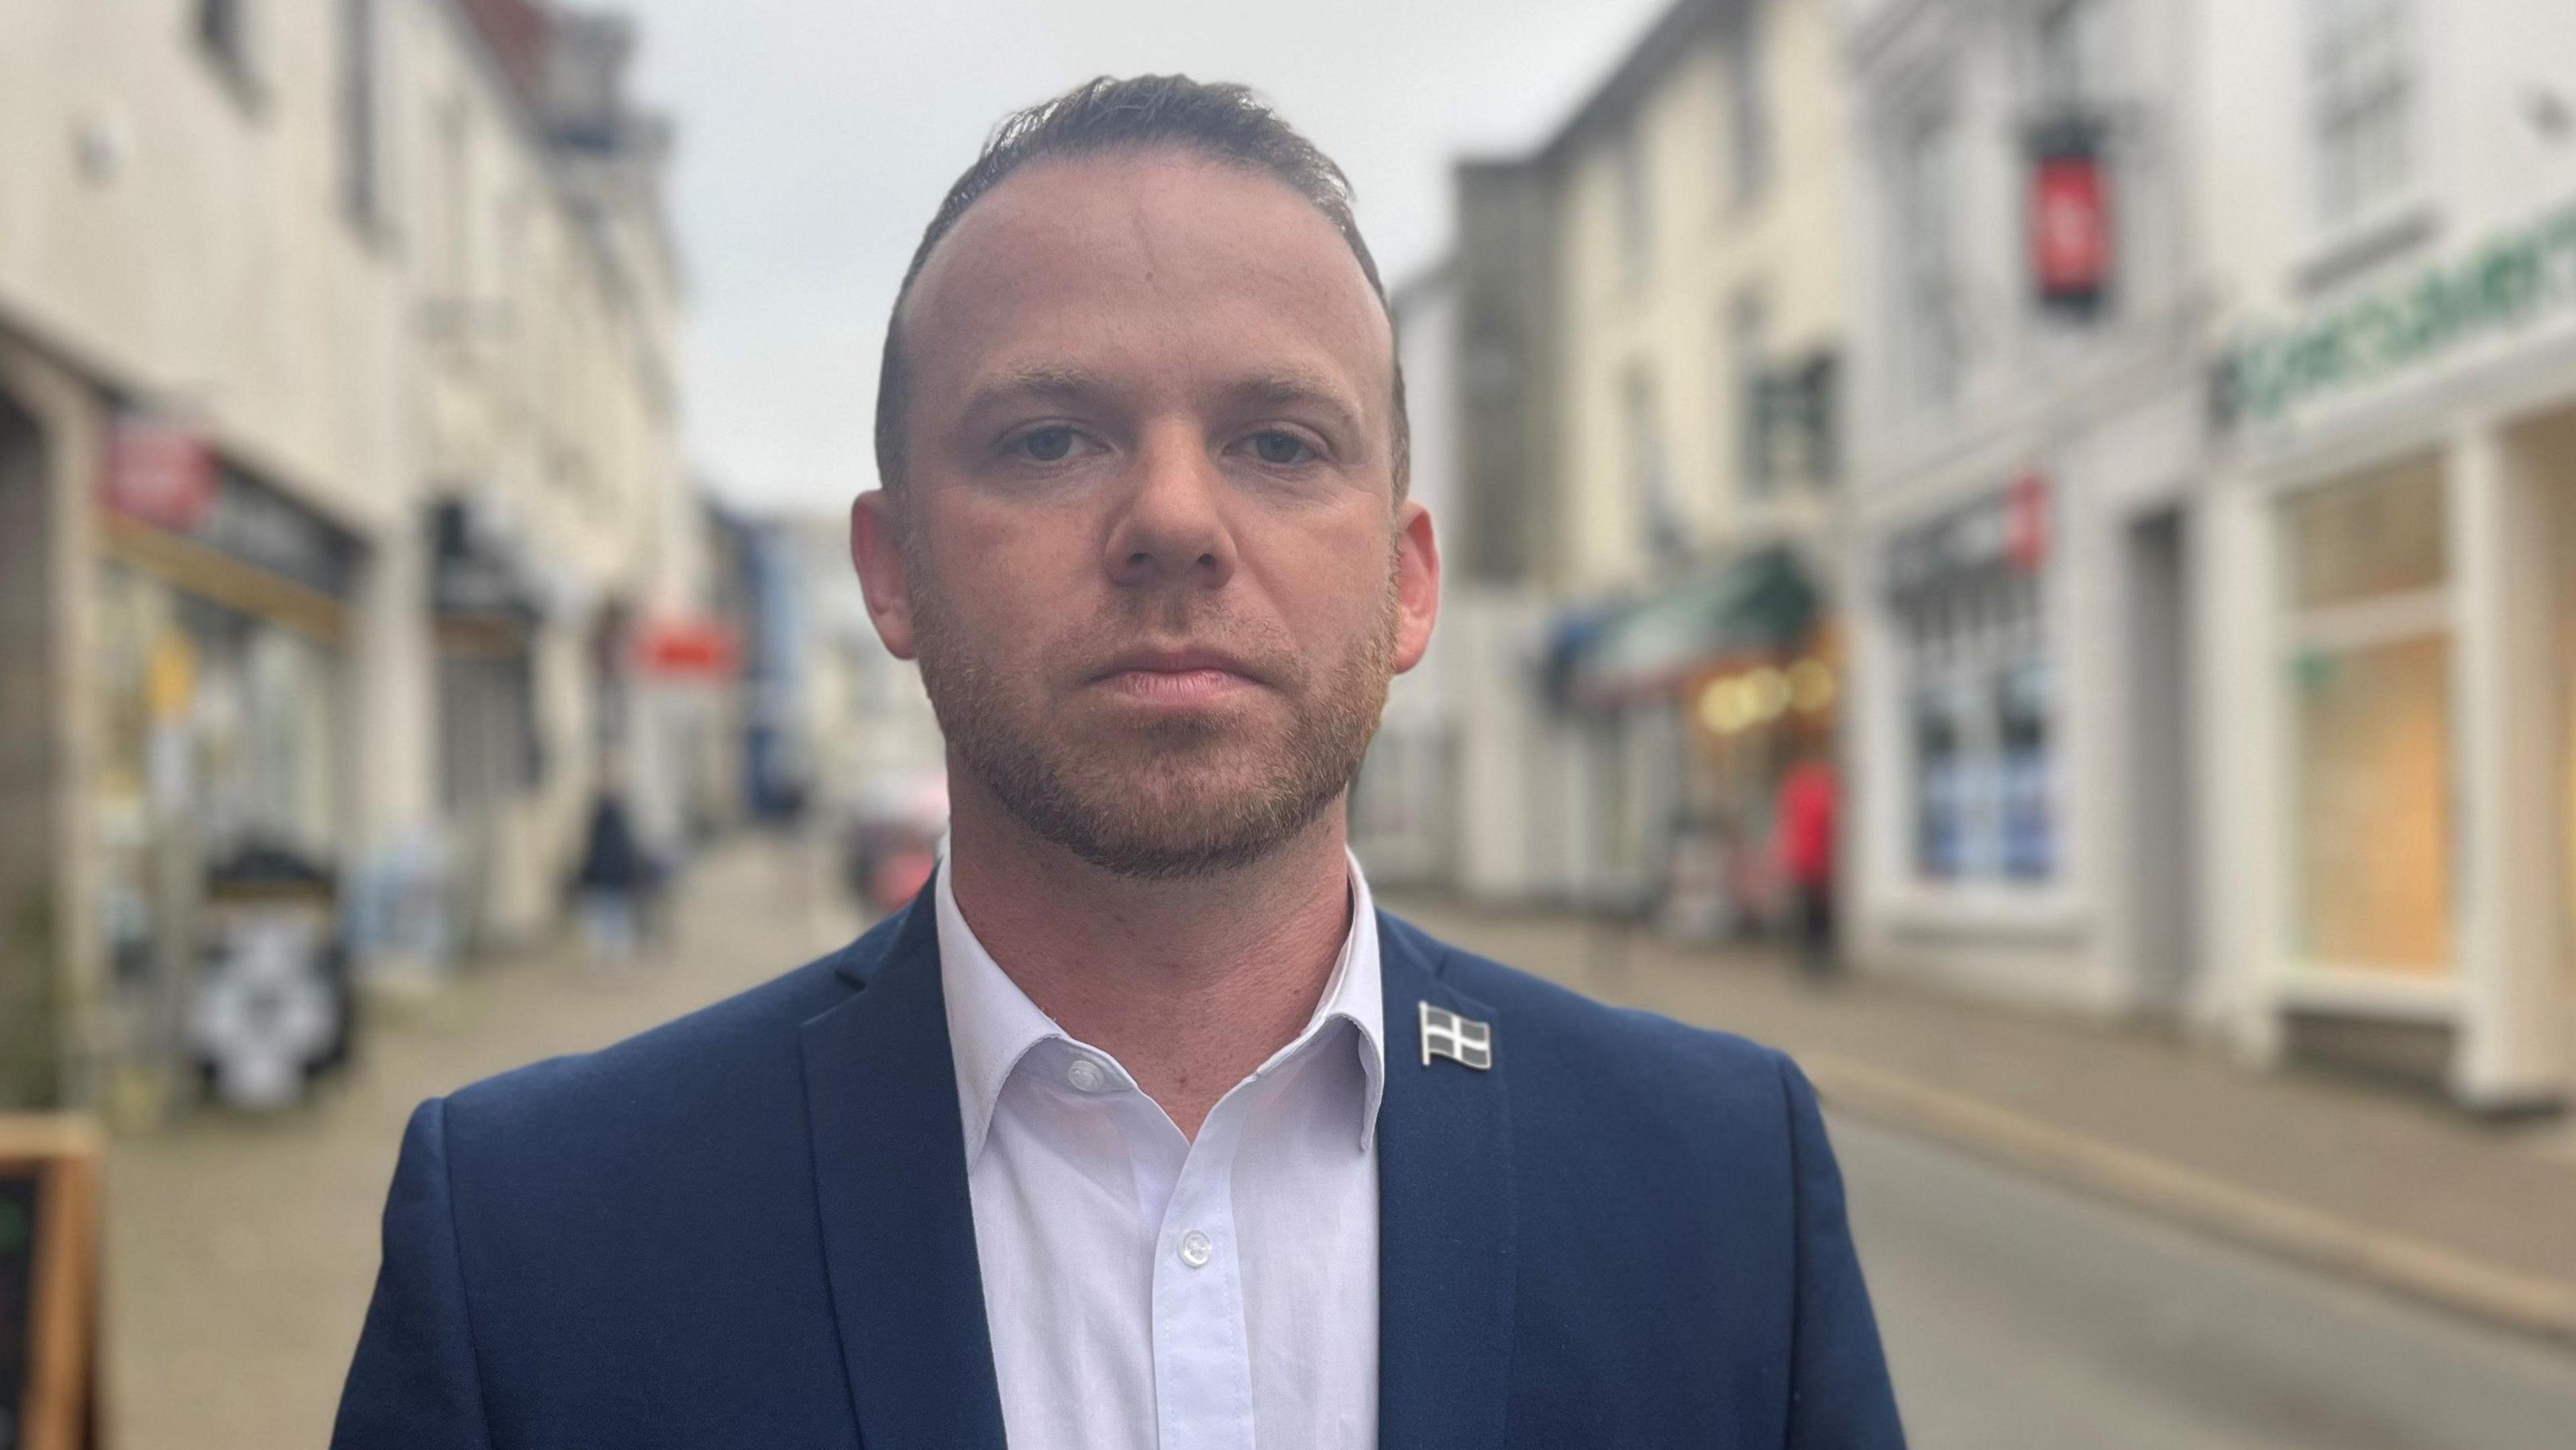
[{"x": 1804, "y": 822}]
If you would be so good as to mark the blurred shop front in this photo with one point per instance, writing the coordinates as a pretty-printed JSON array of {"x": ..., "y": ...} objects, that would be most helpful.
[
  {"x": 223, "y": 766},
  {"x": 489, "y": 608},
  {"x": 2397, "y": 841},
  {"x": 1696, "y": 700},
  {"x": 1960, "y": 748}
]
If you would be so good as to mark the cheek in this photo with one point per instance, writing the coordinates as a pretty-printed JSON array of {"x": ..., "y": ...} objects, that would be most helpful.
[
  {"x": 1331, "y": 585},
  {"x": 1014, "y": 583}
]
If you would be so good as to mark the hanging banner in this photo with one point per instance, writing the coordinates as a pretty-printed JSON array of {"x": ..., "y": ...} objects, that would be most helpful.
[{"x": 2070, "y": 218}]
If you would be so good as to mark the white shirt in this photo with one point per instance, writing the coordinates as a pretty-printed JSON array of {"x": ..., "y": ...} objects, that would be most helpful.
[{"x": 1149, "y": 1292}]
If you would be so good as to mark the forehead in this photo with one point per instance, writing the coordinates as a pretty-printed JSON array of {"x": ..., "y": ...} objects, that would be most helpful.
[{"x": 1159, "y": 260}]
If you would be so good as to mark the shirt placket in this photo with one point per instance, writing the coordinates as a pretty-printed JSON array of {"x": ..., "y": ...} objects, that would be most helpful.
[{"x": 1202, "y": 1358}]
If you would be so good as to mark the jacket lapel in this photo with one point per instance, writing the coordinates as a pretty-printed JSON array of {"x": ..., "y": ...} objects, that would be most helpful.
[
  {"x": 898, "y": 1226},
  {"x": 1445, "y": 1220}
]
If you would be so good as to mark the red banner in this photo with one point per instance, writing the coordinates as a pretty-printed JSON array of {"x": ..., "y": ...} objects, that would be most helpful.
[
  {"x": 685, "y": 647},
  {"x": 158, "y": 470},
  {"x": 2070, "y": 229}
]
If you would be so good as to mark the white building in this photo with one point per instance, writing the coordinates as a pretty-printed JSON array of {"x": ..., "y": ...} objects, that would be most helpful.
[
  {"x": 2219, "y": 635},
  {"x": 2027, "y": 440},
  {"x": 2388, "y": 216},
  {"x": 335, "y": 409},
  {"x": 1647, "y": 323}
]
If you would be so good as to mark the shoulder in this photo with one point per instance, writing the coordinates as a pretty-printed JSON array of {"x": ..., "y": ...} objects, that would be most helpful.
[
  {"x": 715, "y": 1060},
  {"x": 1579, "y": 1053}
]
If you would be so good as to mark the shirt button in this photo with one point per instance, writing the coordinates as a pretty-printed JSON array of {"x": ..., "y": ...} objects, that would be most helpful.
[
  {"x": 1085, "y": 1075},
  {"x": 1197, "y": 1249}
]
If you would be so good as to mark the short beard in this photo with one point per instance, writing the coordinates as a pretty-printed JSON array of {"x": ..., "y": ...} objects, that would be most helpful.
[{"x": 1169, "y": 802}]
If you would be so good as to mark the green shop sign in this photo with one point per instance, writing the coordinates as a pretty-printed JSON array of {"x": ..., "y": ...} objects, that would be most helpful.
[{"x": 2504, "y": 284}]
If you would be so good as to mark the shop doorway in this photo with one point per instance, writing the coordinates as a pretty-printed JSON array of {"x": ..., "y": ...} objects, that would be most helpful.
[
  {"x": 2540, "y": 699},
  {"x": 27, "y": 955},
  {"x": 2561, "y": 694},
  {"x": 2163, "y": 914}
]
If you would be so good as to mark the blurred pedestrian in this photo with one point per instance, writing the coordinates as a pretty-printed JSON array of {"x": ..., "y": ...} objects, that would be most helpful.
[
  {"x": 611, "y": 884},
  {"x": 1804, "y": 823},
  {"x": 1140, "y": 1125}
]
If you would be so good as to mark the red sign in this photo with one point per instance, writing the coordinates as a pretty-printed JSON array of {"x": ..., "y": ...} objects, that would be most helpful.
[
  {"x": 685, "y": 647},
  {"x": 2026, "y": 522},
  {"x": 159, "y": 470},
  {"x": 2070, "y": 228}
]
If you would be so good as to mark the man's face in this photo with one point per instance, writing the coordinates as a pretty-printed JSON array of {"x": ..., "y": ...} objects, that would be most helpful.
[{"x": 1147, "y": 549}]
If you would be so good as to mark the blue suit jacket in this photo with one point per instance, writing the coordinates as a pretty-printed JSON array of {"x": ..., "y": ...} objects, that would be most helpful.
[{"x": 751, "y": 1228}]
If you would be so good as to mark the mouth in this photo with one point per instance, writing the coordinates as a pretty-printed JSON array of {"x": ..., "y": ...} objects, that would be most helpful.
[{"x": 1178, "y": 678}]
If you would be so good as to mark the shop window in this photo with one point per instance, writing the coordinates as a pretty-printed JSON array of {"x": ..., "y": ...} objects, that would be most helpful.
[
  {"x": 362, "y": 184},
  {"x": 1932, "y": 340},
  {"x": 1941, "y": 799},
  {"x": 2368, "y": 538},
  {"x": 1747, "y": 382},
  {"x": 1982, "y": 731},
  {"x": 2028, "y": 828},
  {"x": 2362, "y": 100},
  {"x": 1636, "y": 203},
  {"x": 2373, "y": 773},
  {"x": 1649, "y": 476},
  {"x": 1748, "y": 111},
  {"x": 2368, "y": 682},
  {"x": 488, "y": 742}
]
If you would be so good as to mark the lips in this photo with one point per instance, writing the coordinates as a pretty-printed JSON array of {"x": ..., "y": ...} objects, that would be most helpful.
[
  {"x": 1182, "y": 661},
  {"x": 1182, "y": 676}
]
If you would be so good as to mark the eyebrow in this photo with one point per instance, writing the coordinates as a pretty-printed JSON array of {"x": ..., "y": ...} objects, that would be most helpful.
[
  {"x": 1034, "y": 380},
  {"x": 1280, "y": 385},
  {"x": 1297, "y": 385}
]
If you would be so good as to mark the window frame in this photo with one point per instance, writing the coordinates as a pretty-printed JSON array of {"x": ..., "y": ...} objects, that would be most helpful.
[{"x": 2362, "y": 89}]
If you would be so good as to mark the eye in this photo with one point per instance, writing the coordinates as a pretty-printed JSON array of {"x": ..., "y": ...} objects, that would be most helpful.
[
  {"x": 1279, "y": 449},
  {"x": 1044, "y": 445}
]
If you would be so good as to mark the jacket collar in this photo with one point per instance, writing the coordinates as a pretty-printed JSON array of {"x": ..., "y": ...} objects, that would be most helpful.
[
  {"x": 1446, "y": 1219},
  {"x": 992, "y": 1024},
  {"x": 890, "y": 1180},
  {"x": 899, "y": 1228}
]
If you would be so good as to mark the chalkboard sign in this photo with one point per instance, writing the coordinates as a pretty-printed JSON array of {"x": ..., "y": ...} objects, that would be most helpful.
[{"x": 48, "y": 1282}]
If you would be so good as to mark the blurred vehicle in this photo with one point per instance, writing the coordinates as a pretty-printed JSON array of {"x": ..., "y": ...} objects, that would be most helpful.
[{"x": 890, "y": 839}]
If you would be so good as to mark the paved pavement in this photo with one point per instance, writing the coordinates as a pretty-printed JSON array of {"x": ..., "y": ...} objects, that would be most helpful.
[
  {"x": 240, "y": 1252},
  {"x": 2019, "y": 1316}
]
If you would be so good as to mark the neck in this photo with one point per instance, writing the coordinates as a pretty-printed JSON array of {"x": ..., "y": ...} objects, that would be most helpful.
[{"x": 1190, "y": 984}]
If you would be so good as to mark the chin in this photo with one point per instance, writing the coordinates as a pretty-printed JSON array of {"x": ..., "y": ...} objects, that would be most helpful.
[{"x": 1168, "y": 816}]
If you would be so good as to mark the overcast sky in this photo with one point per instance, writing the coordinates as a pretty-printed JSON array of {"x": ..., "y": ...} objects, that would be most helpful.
[{"x": 816, "y": 137}]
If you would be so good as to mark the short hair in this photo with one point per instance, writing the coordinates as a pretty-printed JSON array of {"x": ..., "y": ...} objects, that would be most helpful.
[{"x": 1224, "y": 122}]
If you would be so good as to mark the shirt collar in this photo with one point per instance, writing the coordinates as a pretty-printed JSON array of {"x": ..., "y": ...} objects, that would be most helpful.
[{"x": 992, "y": 1024}]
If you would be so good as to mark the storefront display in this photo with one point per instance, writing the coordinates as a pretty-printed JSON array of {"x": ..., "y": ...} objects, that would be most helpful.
[
  {"x": 1966, "y": 590},
  {"x": 221, "y": 701},
  {"x": 2371, "y": 740}
]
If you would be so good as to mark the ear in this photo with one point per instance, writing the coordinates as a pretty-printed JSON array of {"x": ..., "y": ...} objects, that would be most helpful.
[
  {"x": 1417, "y": 584},
  {"x": 876, "y": 548}
]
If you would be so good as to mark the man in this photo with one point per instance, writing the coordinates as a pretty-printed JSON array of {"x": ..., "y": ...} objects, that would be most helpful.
[{"x": 1140, "y": 1127}]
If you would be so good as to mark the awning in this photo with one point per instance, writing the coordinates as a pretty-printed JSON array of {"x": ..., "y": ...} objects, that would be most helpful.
[{"x": 1761, "y": 602}]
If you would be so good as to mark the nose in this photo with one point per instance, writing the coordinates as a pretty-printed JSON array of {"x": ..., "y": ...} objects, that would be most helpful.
[{"x": 1171, "y": 524}]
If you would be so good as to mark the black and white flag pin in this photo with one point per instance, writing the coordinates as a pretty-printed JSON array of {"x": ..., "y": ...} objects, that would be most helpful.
[{"x": 1462, "y": 1040}]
